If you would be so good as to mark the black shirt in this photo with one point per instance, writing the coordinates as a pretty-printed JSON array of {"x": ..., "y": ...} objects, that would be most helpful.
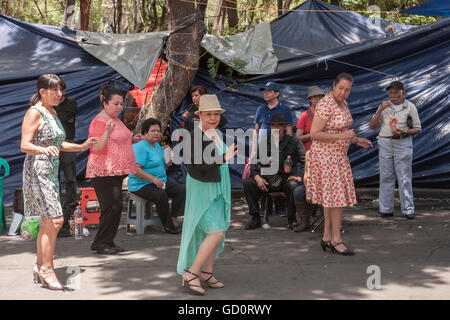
[{"x": 66, "y": 111}]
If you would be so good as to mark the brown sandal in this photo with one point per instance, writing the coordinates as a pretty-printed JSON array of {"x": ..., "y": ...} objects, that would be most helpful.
[
  {"x": 193, "y": 287},
  {"x": 215, "y": 285}
]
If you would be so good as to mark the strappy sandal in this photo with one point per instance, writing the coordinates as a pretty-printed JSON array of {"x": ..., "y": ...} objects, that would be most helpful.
[
  {"x": 46, "y": 276},
  {"x": 36, "y": 268},
  {"x": 347, "y": 251},
  {"x": 193, "y": 287},
  {"x": 215, "y": 285}
]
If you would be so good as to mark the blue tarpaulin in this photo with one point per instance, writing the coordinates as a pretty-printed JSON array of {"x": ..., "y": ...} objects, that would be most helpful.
[
  {"x": 418, "y": 56},
  {"x": 434, "y": 8},
  {"x": 28, "y": 51}
]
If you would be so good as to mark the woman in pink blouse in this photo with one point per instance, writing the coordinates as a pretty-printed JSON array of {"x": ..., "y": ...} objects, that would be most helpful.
[{"x": 109, "y": 162}]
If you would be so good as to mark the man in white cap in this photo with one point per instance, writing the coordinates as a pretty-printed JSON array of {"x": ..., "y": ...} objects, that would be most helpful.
[{"x": 396, "y": 149}]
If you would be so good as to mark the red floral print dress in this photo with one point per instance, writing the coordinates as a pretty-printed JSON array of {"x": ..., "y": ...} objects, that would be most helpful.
[{"x": 330, "y": 181}]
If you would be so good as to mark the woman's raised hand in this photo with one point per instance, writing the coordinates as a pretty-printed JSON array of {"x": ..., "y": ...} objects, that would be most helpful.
[
  {"x": 231, "y": 152},
  {"x": 110, "y": 126}
]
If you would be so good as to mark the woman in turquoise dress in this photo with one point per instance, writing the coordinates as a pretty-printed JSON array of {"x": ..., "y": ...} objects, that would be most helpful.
[
  {"x": 208, "y": 198},
  {"x": 42, "y": 139}
]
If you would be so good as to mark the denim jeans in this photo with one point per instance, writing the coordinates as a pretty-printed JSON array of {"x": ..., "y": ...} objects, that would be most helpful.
[{"x": 395, "y": 162}]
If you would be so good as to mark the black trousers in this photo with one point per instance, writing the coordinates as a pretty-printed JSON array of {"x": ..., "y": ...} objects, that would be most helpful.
[
  {"x": 173, "y": 190},
  {"x": 253, "y": 193},
  {"x": 68, "y": 165},
  {"x": 110, "y": 196}
]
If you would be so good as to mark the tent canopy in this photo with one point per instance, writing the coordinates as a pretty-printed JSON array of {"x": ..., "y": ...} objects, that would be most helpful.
[
  {"x": 310, "y": 28},
  {"x": 434, "y": 8},
  {"x": 417, "y": 56},
  {"x": 30, "y": 50}
]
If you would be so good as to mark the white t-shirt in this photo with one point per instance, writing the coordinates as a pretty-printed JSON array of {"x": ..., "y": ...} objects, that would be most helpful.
[{"x": 397, "y": 107}]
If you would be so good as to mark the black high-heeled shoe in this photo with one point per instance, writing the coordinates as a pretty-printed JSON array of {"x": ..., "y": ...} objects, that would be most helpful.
[
  {"x": 325, "y": 245},
  {"x": 172, "y": 230},
  {"x": 347, "y": 251}
]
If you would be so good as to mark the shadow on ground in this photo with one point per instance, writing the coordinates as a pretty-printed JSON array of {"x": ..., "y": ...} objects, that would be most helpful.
[{"x": 413, "y": 258}]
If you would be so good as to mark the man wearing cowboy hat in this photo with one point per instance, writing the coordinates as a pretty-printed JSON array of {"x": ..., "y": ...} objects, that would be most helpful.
[
  {"x": 282, "y": 153},
  {"x": 305, "y": 121},
  {"x": 396, "y": 149},
  {"x": 263, "y": 115}
]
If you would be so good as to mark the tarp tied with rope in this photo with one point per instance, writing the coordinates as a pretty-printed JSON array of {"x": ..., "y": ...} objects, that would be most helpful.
[
  {"x": 418, "y": 56},
  {"x": 312, "y": 27},
  {"x": 30, "y": 50}
]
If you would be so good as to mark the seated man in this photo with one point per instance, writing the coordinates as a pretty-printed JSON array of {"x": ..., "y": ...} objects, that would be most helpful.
[
  {"x": 151, "y": 182},
  {"x": 285, "y": 179}
]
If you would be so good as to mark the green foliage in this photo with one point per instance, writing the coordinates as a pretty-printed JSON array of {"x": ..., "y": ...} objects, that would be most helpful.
[{"x": 213, "y": 67}]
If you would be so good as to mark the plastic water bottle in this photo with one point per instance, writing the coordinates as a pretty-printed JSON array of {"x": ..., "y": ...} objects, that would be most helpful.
[
  {"x": 78, "y": 219},
  {"x": 288, "y": 164}
]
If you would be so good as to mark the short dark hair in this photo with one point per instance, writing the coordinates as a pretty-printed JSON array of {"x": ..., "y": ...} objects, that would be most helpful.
[
  {"x": 148, "y": 123},
  {"x": 106, "y": 93},
  {"x": 201, "y": 89},
  {"x": 343, "y": 76}
]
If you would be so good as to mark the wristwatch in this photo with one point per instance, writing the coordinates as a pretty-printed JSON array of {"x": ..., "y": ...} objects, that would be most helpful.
[{"x": 404, "y": 134}]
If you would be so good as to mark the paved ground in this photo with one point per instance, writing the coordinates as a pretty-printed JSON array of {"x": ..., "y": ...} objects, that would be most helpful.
[{"x": 413, "y": 257}]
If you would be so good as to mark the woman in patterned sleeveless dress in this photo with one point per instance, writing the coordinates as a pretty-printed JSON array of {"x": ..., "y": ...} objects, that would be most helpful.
[
  {"x": 42, "y": 139},
  {"x": 330, "y": 182}
]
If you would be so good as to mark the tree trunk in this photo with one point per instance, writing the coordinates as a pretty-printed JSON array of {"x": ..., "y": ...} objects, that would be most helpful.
[
  {"x": 124, "y": 27},
  {"x": 183, "y": 47},
  {"x": 335, "y": 3},
  {"x": 286, "y": 5},
  {"x": 279, "y": 7},
  {"x": 232, "y": 13},
  {"x": 219, "y": 19},
  {"x": 68, "y": 14},
  {"x": 46, "y": 10},
  {"x": 119, "y": 16},
  {"x": 201, "y": 9},
  {"x": 85, "y": 6},
  {"x": 135, "y": 15},
  {"x": 163, "y": 19}
]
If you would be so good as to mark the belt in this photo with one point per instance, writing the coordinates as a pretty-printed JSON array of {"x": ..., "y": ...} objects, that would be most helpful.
[{"x": 392, "y": 137}]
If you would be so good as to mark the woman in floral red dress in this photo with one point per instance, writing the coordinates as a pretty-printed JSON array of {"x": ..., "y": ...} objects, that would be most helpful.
[{"x": 330, "y": 182}]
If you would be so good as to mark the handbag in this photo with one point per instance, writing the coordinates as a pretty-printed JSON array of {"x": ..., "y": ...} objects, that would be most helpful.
[{"x": 274, "y": 182}]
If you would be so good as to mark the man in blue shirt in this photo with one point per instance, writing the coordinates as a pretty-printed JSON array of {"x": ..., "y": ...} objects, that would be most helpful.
[{"x": 264, "y": 113}]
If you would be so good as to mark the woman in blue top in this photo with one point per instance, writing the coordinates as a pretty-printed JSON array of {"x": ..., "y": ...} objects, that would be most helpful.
[
  {"x": 208, "y": 194},
  {"x": 150, "y": 181}
]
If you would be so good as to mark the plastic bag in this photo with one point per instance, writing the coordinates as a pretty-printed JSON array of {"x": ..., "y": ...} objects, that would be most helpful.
[{"x": 30, "y": 227}]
